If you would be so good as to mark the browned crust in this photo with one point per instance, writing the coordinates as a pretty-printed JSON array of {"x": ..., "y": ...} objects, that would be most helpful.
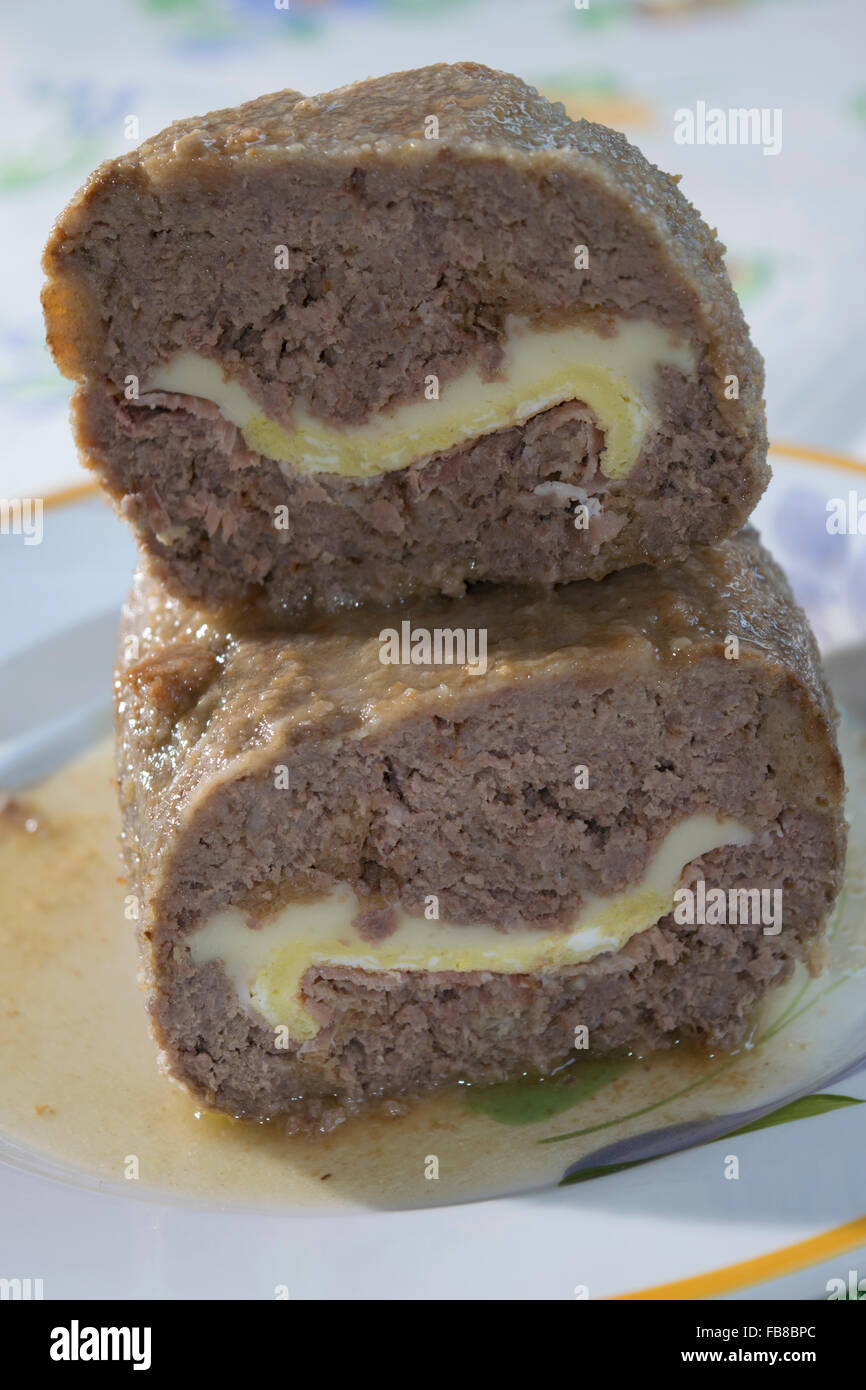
[
  {"x": 210, "y": 705},
  {"x": 260, "y": 694},
  {"x": 482, "y": 114}
]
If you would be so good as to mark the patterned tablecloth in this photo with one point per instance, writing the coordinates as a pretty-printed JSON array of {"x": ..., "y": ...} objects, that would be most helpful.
[{"x": 793, "y": 219}]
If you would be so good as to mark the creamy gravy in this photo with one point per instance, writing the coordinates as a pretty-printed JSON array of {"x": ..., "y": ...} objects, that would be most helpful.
[{"x": 80, "y": 1094}]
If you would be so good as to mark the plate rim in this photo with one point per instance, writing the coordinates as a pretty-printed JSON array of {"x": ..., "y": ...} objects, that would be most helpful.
[{"x": 774, "y": 1264}]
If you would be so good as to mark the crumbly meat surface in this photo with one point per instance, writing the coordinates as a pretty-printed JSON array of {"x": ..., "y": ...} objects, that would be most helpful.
[
  {"x": 407, "y": 780},
  {"x": 406, "y": 255}
]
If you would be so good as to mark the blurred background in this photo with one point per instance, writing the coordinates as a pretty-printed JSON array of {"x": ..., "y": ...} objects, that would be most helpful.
[{"x": 793, "y": 220}]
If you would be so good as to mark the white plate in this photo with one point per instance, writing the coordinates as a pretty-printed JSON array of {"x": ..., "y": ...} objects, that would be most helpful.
[{"x": 793, "y": 1219}]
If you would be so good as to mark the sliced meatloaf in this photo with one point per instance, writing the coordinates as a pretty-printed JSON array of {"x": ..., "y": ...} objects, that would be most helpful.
[
  {"x": 418, "y": 332},
  {"x": 448, "y": 841}
]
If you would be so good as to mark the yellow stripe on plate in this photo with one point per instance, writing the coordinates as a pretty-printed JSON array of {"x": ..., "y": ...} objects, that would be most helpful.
[
  {"x": 68, "y": 496},
  {"x": 825, "y": 456},
  {"x": 777, "y": 1263}
]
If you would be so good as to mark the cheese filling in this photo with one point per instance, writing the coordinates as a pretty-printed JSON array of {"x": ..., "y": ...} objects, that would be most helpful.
[
  {"x": 614, "y": 376},
  {"x": 267, "y": 963}
]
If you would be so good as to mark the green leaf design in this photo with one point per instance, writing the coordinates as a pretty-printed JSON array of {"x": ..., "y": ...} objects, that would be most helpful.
[
  {"x": 602, "y": 1170},
  {"x": 530, "y": 1100},
  {"x": 800, "y": 1109}
]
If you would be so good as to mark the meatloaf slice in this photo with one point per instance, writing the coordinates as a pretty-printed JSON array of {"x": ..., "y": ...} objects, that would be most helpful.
[
  {"x": 416, "y": 332},
  {"x": 361, "y": 873}
]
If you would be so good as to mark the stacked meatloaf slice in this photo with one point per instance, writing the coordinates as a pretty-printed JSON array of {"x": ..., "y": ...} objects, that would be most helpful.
[
  {"x": 382, "y": 342},
  {"x": 384, "y": 380},
  {"x": 362, "y": 878}
]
